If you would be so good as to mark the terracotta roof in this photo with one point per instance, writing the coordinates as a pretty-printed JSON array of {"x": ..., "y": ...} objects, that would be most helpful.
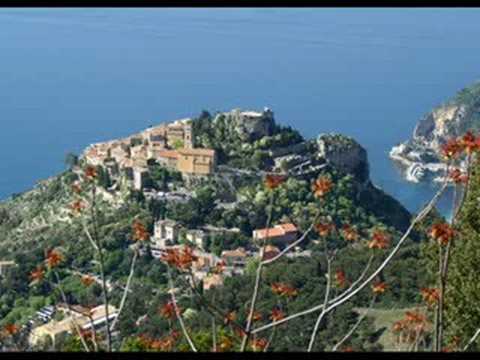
[
  {"x": 278, "y": 230},
  {"x": 198, "y": 151},
  {"x": 172, "y": 154},
  {"x": 288, "y": 227}
]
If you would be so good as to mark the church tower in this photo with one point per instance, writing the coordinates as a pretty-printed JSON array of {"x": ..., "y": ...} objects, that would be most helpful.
[{"x": 188, "y": 135}]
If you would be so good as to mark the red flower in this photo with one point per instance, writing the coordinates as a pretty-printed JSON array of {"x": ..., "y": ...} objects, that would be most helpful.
[
  {"x": 379, "y": 287},
  {"x": 340, "y": 278},
  {"x": 37, "y": 275},
  {"x": 257, "y": 316},
  {"x": 399, "y": 325},
  {"x": 324, "y": 229},
  {"x": 226, "y": 343},
  {"x": 164, "y": 344},
  {"x": 284, "y": 290},
  {"x": 442, "y": 232},
  {"x": 168, "y": 310},
  {"x": 181, "y": 259},
  {"x": 430, "y": 295},
  {"x": 349, "y": 233},
  {"x": 259, "y": 344},
  {"x": 87, "y": 280},
  {"x": 380, "y": 240},
  {"x": 54, "y": 258},
  {"x": 145, "y": 340},
  {"x": 458, "y": 177},
  {"x": 322, "y": 186},
  {"x": 273, "y": 181},
  {"x": 77, "y": 206},
  {"x": 414, "y": 317},
  {"x": 277, "y": 315},
  {"x": 469, "y": 143},
  {"x": 230, "y": 317},
  {"x": 90, "y": 172},
  {"x": 451, "y": 149},
  {"x": 239, "y": 332},
  {"x": 140, "y": 232},
  {"x": 11, "y": 329}
]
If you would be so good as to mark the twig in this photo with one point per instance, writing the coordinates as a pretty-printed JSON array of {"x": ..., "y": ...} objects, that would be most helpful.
[
  {"x": 212, "y": 309},
  {"x": 70, "y": 313},
  {"x": 101, "y": 261},
  {"x": 325, "y": 302},
  {"x": 89, "y": 236},
  {"x": 421, "y": 215},
  {"x": 179, "y": 315},
  {"x": 270, "y": 340},
  {"x": 214, "y": 335},
  {"x": 94, "y": 333},
  {"x": 292, "y": 245},
  {"x": 258, "y": 277},
  {"x": 126, "y": 290},
  {"x": 472, "y": 340},
  {"x": 355, "y": 327}
]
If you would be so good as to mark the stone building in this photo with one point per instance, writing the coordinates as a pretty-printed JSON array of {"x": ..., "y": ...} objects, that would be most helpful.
[
  {"x": 54, "y": 329},
  {"x": 180, "y": 130},
  {"x": 197, "y": 237},
  {"x": 168, "y": 158},
  {"x": 197, "y": 161},
  {"x": 165, "y": 233},
  {"x": 140, "y": 177},
  {"x": 237, "y": 257},
  {"x": 282, "y": 234},
  {"x": 4, "y": 265}
]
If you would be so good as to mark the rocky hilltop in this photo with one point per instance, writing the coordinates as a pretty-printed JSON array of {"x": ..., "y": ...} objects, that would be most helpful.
[
  {"x": 229, "y": 152},
  {"x": 418, "y": 156}
]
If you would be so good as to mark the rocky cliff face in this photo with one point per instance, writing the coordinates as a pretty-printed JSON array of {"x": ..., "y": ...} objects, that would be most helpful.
[
  {"x": 250, "y": 125},
  {"x": 345, "y": 154},
  {"x": 419, "y": 155}
]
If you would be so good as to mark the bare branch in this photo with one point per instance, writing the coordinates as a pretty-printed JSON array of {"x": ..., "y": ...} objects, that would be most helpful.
[
  {"x": 472, "y": 340},
  {"x": 70, "y": 312},
  {"x": 258, "y": 277},
  {"x": 179, "y": 315},
  {"x": 126, "y": 290},
  {"x": 325, "y": 302},
  {"x": 292, "y": 245},
  {"x": 355, "y": 327},
  {"x": 421, "y": 215}
]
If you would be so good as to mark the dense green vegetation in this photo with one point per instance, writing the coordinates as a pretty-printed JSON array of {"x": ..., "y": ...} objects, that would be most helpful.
[
  {"x": 41, "y": 219},
  {"x": 463, "y": 313},
  {"x": 470, "y": 98},
  {"x": 219, "y": 134}
]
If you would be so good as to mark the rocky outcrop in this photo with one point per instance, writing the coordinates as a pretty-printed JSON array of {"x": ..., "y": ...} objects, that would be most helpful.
[
  {"x": 419, "y": 157},
  {"x": 250, "y": 125},
  {"x": 345, "y": 154}
]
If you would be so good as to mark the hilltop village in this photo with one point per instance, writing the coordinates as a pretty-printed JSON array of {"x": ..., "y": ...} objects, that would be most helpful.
[
  {"x": 197, "y": 183},
  {"x": 173, "y": 146}
]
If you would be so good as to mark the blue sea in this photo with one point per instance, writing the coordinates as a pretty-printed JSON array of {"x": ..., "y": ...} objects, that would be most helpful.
[{"x": 71, "y": 77}]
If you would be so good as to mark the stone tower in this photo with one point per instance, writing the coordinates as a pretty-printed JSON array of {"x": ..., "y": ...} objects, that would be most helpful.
[{"x": 188, "y": 135}]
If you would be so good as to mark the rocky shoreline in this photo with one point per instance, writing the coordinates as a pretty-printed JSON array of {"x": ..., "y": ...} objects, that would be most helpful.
[{"x": 418, "y": 157}]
